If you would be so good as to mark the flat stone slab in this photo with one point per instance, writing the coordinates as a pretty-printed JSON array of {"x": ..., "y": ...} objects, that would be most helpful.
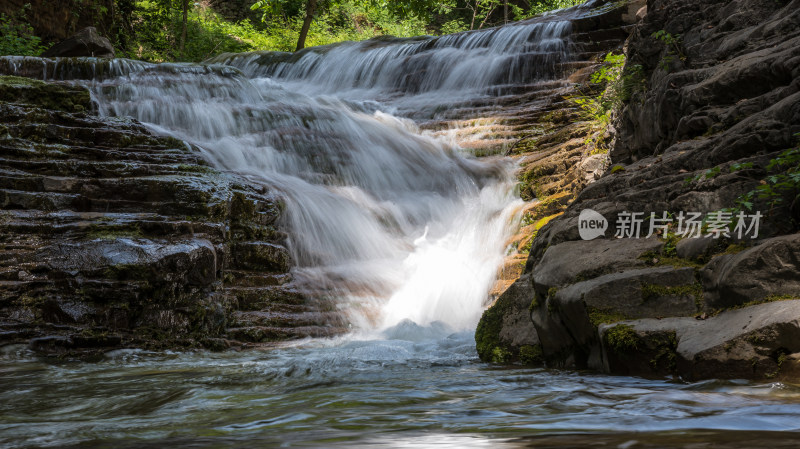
[{"x": 756, "y": 342}]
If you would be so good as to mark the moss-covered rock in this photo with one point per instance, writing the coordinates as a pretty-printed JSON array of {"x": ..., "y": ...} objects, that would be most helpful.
[{"x": 61, "y": 97}]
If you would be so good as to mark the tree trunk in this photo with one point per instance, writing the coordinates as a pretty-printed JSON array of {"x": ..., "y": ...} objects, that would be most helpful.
[
  {"x": 185, "y": 24},
  {"x": 474, "y": 13},
  {"x": 311, "y": 7}
]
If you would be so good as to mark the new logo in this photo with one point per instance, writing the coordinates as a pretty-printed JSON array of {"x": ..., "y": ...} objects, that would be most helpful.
[{"x": 591, "y": 224}]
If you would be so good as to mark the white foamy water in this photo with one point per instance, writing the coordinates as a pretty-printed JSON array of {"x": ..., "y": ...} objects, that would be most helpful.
[
  {"x": 392, "y": 222},
  {"x": 395, "y": 223}
]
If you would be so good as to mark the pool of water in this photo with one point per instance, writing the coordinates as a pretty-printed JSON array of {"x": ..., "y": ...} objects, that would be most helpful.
[{"x": 408, "y": 387}]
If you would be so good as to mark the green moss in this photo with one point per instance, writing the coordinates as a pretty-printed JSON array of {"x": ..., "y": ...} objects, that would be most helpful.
[
  {"x": 551, "y": 292},
  {"x": 771, "y": 298},
  {"x": 19, "y": 81},
  {"x": 530, "y": 354},
  {"x": 604, "y": 316},
  {"x": 734, "y": 248},
  {"x": 666, "y": 353},
  {"x": 534, "y": 303},
  {"x": 617, "y": 168},
  {"x": 500, "y": 355},
  {"x": 655, "y": 259},
  {"x": 14, "y": 89},
  {"x": 622, "y": 339},
  {"x": 113, "y": 232},
  {"x": 190, "y": 168},
  {"x": 487, "y": 334}
]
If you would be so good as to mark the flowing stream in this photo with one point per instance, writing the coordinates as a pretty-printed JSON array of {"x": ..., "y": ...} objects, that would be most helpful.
[{"x": 406, "y": 229}]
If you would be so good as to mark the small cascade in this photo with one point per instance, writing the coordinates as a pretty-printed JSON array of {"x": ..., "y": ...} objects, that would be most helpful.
[{"x": 371, "y": 146}]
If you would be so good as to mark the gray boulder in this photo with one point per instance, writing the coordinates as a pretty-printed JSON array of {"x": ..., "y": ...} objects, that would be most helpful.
[
  {"x": 567, "y": 262},
  {"x": 86, "y": 42},
  {"x": 771, "y": 268},
  {"x": 567, "y": 320},
  {"x": 756, "y": 342}
]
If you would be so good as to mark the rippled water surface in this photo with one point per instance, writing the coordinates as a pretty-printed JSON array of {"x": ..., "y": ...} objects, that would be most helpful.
[
  {"x": 409, "y": 387},
  {"x": 396, "y": 221}
]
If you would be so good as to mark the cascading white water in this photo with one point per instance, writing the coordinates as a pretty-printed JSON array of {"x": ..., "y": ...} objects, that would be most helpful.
[
  {"x": 397, "y": 223},
  {"x": 418, "y": 76}
]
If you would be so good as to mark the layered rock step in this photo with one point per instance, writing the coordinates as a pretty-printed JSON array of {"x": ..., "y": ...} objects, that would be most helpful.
[
  {"x": 115, "y": 237},
  {"x": 713, "y": 129}
]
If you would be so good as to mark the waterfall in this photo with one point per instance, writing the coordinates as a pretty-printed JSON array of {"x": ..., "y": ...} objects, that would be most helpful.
[{"x": 393, "y": 221}]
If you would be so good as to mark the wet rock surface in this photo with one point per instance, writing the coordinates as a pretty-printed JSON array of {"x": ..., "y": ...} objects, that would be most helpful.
[
  {"x": 114, "y": 237},
  {"x": 719, "y": 106}
]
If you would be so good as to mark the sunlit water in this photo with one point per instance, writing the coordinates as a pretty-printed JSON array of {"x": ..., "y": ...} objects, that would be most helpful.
[{"x": 401, "y": 227}]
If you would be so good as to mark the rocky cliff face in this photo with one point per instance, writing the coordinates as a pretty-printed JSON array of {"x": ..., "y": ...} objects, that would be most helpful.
[
  {"x": 114, "y": 237},
  {"x": 715, "y": 119}
]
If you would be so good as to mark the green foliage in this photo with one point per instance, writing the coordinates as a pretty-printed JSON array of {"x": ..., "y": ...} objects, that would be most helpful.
[
  {"x": 618, "y": 84},
  {"x": 670, "y": 248},
  {"x": 17, "y": 36},
  {"x": 741, "y": 166},
  {"x": 782, "y": 182},
  {"x": 617, "y": 168},
  {"x": 673, "y": 45},
  {"x": 543, "y": 6},
  {"x": 158, "y": 25},
  {"x": 712, "y": 172}
]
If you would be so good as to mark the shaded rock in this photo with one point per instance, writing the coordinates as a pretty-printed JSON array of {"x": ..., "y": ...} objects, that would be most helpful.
[
  {"x": 566, "y": 263},
  {"x": 263, "y": 256},
  {"x": 649, "y": 292},
  {"x": 108, "y": 226},
  {"x": 505, "y": 333},
  {"x": 25, "y": 91},
  {"x": 566, "y": 322},
  {"x": 86, "y": 42},
  {"x": 718, "y": 105},
  {"x": 188, "y": 263},
  {"x": 761, "y": 341},
  {"x": 768, "y": 269},
  {"x": 53, "y": 21},
  {"x": 695, "y": 249}
]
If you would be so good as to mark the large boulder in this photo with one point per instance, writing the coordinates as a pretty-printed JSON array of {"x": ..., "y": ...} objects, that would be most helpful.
[
  {"x": 769, "y": 269},
  {"x": 566, "y": 263},
  {"x": 566, "y": 321},
  {"x": 756, "y": 342},
  {"x": 86, "y": 42}
]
